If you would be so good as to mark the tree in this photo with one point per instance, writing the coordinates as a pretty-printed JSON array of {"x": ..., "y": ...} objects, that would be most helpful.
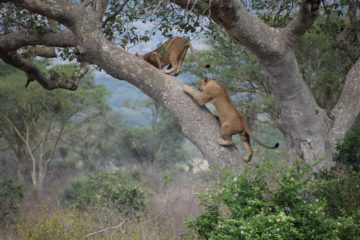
[
  {"x": 109, "y": 140},
  {"x": 310, "y": 132},
  {"x": 33, "y": 122}
]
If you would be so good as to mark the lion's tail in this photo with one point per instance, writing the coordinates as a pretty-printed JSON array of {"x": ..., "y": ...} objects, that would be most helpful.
[
  {"x": 196, "y": 58},
  {"x": 261, "y": 143}
]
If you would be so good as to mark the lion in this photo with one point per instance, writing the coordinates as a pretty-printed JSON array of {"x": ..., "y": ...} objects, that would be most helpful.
[
  {"x": 171, "y": 53},
  {"x": 232, "y": 122}
]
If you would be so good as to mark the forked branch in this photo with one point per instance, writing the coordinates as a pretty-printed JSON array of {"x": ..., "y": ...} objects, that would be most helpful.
[
  {"x": 347, "y": 108},
  {"x": 33, "y": 73},
  {"x": 309, "y": 10}
]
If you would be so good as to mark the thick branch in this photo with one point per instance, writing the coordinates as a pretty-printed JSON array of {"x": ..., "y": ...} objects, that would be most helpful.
[
  {"x": 241, "y": 25},
  {"x": 33, "y": 73},
  {"x": 42, "y": 51},
  {"x": 11, "y": 42},
  {"x": 96, "y": 7},
  {"x": 16, "y": 40},
  {"x": 347, "y": 108},
  {"x": 309, "y": 10},
  {"x": 63, "y": 11}
]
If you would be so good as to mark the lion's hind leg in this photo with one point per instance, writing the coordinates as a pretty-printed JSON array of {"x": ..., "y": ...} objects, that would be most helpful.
[
  {"x": 245, "y": 138},
  {"x": 173, "y": 59},
  {"x": 226, "y": 135}
]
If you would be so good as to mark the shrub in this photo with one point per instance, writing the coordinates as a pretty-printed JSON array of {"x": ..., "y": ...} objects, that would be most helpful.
[
  {"x": 10, "y": 195},
  {"x": 71, "y": 224},
  {"x": 60, "y": 224},
  {"x": 105, "y": 189},
  {"x": 250, "y": 206},
  {"x": 341, "y": 185},
  {"x": 341, "y": 190},
  {"x": 348, "y": 152}
]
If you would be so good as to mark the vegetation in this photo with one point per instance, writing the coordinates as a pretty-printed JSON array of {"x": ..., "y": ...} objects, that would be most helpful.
[
  {"x": 106, "y": 190},
  {"x": 348, "y": 152},
  {"x": 11, "y": 194},
  {"x": 263, "y": 203}
]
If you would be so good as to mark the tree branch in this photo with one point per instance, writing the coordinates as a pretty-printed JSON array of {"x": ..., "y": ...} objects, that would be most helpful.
[
  {"x": 241, "y": 25},
  {"x": 33, "y": 73},
  {"x": 42, "y": 51},
  {"x": 62, "y": 11},
  {"x": 309, "y": 10},
  {"x": 347, "y": 108},
  {"x": 16, "y": 40}
]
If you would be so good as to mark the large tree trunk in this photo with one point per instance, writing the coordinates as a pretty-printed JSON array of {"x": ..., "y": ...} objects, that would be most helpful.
[{"x": 302, "y": 121}]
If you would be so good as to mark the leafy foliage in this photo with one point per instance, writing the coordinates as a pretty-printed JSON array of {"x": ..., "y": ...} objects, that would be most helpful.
[
  {"x": 341, "y": 189},
  {"x": 106, "y": 189},
  {"x": 159, "y": 142},
  {"x": 10, "y": 195},
  {"x": 59, "y": 224},
  {"x": 323, "y": 70},
  {"x": 254, "y": 206},
  {"x": 161, "y": 15},
  {"x": 341, "y": 185},
  {"x": 348, "y": 152},
  {"x": 33, "y": 122}
]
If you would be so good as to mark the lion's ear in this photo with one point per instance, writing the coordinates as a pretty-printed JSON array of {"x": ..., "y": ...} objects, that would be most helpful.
[{"x": 206, "y": 79}]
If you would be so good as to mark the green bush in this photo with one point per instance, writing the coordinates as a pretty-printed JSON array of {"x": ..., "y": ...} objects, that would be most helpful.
[
  {"x": 259, "y": 205},
  {"x": 106, "y": 189},
  {"x": 348, "y": 152},
  {"x": 10, "y": 195},
  {"x": 341, "y": 185},
  {"x": 60, "y": 224},
  {"x": 70, "y": 224}
]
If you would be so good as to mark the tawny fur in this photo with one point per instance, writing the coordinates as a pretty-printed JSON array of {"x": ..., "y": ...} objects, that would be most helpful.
[
  {"x": 230, "y": 118},
  {"x": 170, "y": 53}
]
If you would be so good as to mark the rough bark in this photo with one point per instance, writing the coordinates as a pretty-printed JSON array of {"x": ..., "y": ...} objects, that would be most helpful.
[{"x": 345, "y": 111}]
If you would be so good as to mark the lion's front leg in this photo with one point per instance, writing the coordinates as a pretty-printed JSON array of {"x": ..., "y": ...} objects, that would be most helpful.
[{"x": 201, "y": 98}]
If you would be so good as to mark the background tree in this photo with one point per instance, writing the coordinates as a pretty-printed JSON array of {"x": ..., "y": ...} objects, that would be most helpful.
[
  {"x": 111, "y": 141},
  {"x": 33, "y": 122}
]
